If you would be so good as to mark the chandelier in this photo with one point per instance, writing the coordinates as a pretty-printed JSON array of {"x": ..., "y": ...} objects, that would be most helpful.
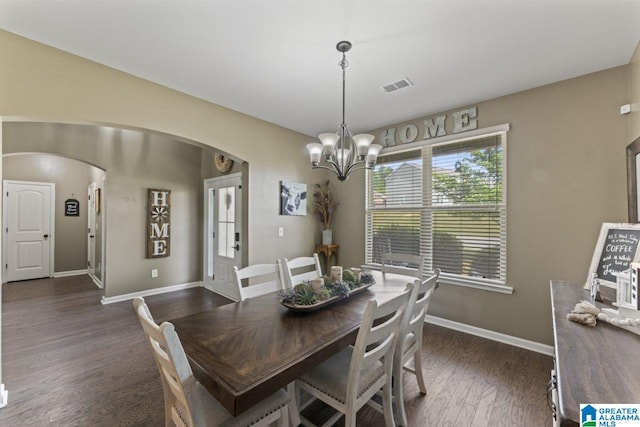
[{"x": 342, "y": 151}]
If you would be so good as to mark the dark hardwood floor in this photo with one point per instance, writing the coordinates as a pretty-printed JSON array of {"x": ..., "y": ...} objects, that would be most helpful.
[{"x": 70, "y": 361}]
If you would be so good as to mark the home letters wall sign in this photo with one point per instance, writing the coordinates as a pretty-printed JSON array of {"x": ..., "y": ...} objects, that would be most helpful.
[
  {"x": 463, "y": 120},
  {"x": 158, "y": 223}
]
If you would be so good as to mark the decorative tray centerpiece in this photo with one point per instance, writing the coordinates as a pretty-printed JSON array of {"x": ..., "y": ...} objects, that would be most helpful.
[{"x": 325, "y": 290}]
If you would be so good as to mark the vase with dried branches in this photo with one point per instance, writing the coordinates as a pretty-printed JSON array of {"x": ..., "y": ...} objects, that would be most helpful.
[{"x": 325, "y": 205}]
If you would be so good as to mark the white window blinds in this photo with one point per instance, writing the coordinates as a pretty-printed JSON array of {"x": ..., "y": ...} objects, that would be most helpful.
[{"x": 446, "y": 202}]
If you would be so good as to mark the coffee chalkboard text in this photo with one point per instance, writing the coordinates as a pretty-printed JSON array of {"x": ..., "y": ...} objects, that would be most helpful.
[{"x": 617, "y": 247}]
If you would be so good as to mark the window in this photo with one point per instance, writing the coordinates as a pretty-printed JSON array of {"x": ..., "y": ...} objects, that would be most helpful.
[{"x": 446, "y": 201}]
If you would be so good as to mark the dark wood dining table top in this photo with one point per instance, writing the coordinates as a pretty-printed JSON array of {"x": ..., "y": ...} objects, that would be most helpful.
[
  {"x": 593, "y": 364},
  {"x": 245, "y": 351}
]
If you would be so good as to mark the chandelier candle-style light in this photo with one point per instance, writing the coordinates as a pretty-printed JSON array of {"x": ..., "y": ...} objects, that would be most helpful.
[{"x": 342, "y": 151}]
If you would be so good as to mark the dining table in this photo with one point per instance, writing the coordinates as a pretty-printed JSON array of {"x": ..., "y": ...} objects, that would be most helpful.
[{"x": 244, "y": 351}]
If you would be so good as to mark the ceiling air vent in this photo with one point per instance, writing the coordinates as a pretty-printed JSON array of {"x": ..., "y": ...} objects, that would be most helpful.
[{"x": 400, "y": 84}]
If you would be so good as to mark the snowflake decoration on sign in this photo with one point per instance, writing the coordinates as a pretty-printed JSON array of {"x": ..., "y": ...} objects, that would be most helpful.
[{"x": 159, "y": 214}]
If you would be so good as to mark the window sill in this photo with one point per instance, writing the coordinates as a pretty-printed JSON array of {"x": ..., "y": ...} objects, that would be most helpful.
[
  {"x": 475, "y": 284},
  {"x": 458, "y": 281}
]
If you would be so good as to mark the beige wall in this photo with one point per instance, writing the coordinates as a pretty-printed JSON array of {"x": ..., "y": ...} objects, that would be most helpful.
[
  {"x": 71, "y": 179},
  {"x": 45, "y": 84},
  {"x": 634, "y": 95},
  {"x": 565, "y": 176},
  {"x": 135, "y": 161},
  {"x": 565, "y": 159}
]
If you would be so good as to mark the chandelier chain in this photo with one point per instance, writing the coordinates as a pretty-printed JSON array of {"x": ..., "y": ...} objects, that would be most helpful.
[{"x": 344, "y": 64}]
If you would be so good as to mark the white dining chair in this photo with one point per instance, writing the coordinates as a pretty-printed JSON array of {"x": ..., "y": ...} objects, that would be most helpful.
[
  {"x": 399, "y": 263},
  {"x": 368, "y": 363},
  {"x": 187, "y": 402},
  {"x": 259, "y": 279},
  {"x": 409, "y": 344},
  {"x": 310, "y": 267}
]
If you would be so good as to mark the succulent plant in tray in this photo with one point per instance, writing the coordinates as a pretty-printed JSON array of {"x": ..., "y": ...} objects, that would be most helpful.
[
  {"x": 339, "y": 289},
  {"x": 304, "y": 295},
  {"x": 366, "y": 278}
]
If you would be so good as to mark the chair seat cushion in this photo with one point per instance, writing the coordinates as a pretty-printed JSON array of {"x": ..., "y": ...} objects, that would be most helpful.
[
  {"x": 332, "y": 375},
  {"x": 214, "y": 414}
]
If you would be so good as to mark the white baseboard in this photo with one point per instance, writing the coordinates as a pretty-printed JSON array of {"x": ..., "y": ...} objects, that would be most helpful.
[
  {"x": 69, "y": 273},
  {"x": 219, "y": 292},
  {"x": 149, "y": 292},
  {"x": 4, "y": 396},
  {"x": 491, "y": 335},
  {"x": 97, "y": 281}
]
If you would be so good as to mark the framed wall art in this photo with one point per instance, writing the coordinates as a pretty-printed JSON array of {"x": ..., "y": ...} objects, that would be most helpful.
[
  {"x": 617, "y": 247},
  {"x": 293, "y": 198},
  {"x": 158, "y": 223},
  {"x": 71, "y": 207}
]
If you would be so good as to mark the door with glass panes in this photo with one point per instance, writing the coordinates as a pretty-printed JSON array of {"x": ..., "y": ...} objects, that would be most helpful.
[{"x": 222, "y": 228}]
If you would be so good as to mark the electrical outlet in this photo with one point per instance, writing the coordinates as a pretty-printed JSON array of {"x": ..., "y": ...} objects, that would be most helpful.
[
  {"x": 154, "y": 272},
  {"x": 280, "y": 231}
]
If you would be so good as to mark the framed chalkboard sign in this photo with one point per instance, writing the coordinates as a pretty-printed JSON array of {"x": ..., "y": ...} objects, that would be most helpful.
[
  {"x": 617, "y": 247},
  {"x": 71, "y": 207}
]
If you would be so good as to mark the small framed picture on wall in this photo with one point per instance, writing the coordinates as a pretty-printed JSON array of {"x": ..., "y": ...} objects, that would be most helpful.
[{"x": 293, "y": 198}]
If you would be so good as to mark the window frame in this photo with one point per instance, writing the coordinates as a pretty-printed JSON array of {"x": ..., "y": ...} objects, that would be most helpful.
[{"x": 427, "y": 208}]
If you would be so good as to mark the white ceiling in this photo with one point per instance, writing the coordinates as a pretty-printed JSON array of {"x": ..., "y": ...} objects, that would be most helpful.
[{"x": 276, "y": 59}]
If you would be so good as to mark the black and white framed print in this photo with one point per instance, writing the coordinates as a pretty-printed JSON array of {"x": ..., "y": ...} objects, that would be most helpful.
[{"x": 293, "y": 198}]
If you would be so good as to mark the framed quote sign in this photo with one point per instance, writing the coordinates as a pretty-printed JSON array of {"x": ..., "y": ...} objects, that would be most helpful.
[
  {"x": 617, "y": 247},
  {"x": 71, "y": 207},
  {"x": 158, "y": 223}
]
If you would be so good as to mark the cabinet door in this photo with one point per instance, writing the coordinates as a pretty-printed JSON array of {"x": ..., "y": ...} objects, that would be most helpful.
[{"x": 552, "y": 398}]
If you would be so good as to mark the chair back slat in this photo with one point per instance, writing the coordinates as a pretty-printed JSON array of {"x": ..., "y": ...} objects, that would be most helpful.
[
  {"x": 421, "y": 295},
  {"x": 259, "y": 279},
  {"x": 409, "y": 344},
  {"x": 288, "y": 267},
  {"x": 399, "y": 263},
  {"x": 424, "y": 293},
  {"x": 171, "y": 361},
  {"x": 377, "y": 343}
]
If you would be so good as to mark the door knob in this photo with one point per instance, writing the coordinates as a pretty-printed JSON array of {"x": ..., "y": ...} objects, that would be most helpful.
[{"x": 46, "y": 236}]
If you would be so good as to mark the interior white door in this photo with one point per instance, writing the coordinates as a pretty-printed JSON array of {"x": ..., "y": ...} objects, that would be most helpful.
[
  {"x": 223, "y": 225},
  {"x": 28, "y": 230},
  {"x": 91, "y": 230}
]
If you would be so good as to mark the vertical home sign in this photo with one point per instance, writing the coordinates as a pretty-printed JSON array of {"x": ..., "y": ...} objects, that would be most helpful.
[{"x": 158, "y": 223}]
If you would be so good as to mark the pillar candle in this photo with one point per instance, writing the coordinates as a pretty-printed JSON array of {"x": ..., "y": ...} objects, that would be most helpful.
[
  {"x": 317, "y": 284},
  {"x": 336, "y": 274}
]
